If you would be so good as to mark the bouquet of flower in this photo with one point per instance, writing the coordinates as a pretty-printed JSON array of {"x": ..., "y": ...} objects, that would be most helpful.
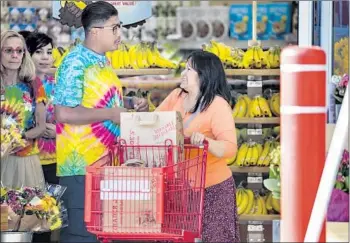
[
  {"x": 34, "y": 210},
  {"x": 11, "y": 136},
  {"x": 338, "y": 209},
  {"x": 341, "y": 83}
]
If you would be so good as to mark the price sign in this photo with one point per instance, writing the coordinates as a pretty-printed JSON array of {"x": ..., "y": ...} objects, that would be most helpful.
[
  {"x": 255, "y": 228},
  {"x": 258, "y": 179},
  {"x": 254, "y": 131},
  {"x": 252, "y": 84}
]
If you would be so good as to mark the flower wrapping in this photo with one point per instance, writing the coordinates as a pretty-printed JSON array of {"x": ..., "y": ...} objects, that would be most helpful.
[{"x": 35, "y": 210}]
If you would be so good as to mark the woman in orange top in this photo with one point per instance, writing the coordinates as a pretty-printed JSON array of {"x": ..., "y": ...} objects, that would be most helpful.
[{"x": 203, "y": 100}]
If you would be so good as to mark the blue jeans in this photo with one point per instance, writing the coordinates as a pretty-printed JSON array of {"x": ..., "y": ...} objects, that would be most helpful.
[{"x": 74, "y": 199}]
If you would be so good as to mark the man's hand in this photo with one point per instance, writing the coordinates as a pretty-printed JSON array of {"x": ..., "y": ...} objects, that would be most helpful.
[
  {"x": 140, "y": 104},
  {"x": 50, "y": 131}
]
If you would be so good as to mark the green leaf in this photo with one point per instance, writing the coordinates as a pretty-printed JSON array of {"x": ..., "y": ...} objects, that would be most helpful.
[
  {"x": 276, "y": 195},
  {"x": 272, "y": 185}
]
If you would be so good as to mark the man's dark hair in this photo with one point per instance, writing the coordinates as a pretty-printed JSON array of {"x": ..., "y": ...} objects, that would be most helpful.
[
  {"x": 97, "y": 13},
  {"x": 37, "y": 40}
]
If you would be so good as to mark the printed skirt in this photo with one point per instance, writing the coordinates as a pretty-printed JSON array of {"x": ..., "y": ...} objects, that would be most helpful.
[{"x": 220, "y": 219}]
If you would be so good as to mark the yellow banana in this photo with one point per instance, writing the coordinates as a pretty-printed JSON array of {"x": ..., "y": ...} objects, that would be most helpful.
[
  {"x": 264, "y": 106},
  {"x": 132, "y": 56},
  {"x": 264, "y": 153},
  {"x": 232, "y": 160},
  {"x": 255, "y": 155},
  {"x": 259, "y": 148},
  {"x": 251, "y": 200},
  {"x": 245, "y": 203},
  {"x": 257, "y": 57},
  {"x": 255, "y": 109},
  {"x": 249, "y": 155},
  {"x": 275, "y": 103},
  {"x": 235, "y": 110},
  {"x": 242, "y": 107},
  {"x": 269, "y": 202},
  {"x": 241, "y": 154},
  {"x": 276, "y": 204},
  {"x": 247, "y": 99},
  {"x": 268, "y": 158},
  {"x": 115, "y": 59},
  {"x": 238, "y": 197}
]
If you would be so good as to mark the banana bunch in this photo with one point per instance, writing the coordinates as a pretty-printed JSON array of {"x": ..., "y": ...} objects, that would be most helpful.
[
  {"x": 266, "y": 157},
  {"x": 151, "y": 106},
  {"x": 249, "y": 203},
  {"x": 272, "y": 204},
  {"x": 273, "y": 56},
  {"x": 140, "y": 56},
  {"x": 231, "y": 57},
  {"x": 248, "y": 154},
  {"x": 240, "y": 109},
  {"x": 258, "y": 107},
  {"x": 255, "y": 58},
  {"x": 274, "y": 104}
]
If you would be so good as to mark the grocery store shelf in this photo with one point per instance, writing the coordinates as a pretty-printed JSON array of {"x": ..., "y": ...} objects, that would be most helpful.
[
  {"x": 252, "y": 169},
  {"x": 243, "y": 44},
  {"x": 268, "y": 120},
  {"x": 150, "y": 84},
  {"x": 252, "y": 72},
  {"x": 269, "y": 217},
  {"x": 137, "y": 72},
  {"x": 141, "y": 72}
]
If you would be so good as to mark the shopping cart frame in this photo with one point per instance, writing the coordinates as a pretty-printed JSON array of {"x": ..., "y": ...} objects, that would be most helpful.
[{"x": 118, "y": 151}]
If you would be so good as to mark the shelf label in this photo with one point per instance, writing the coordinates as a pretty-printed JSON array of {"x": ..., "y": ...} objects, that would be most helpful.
[
  {"x": 254, "y": 131},
  {"x": 255, "y": 228},
  {"x": 255, "y": 179},
  {"x": 254, "y": 84}
]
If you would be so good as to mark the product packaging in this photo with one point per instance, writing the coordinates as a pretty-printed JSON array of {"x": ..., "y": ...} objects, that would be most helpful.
[{"x": 280, "y": 19}]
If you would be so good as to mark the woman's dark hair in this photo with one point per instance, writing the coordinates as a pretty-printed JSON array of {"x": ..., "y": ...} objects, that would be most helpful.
[
  {"x": 37, "y": 40},
  {"x": 212, "y": 79},
  {"x": 24, "y": 33},
  {"x": 96, "y": 14}
]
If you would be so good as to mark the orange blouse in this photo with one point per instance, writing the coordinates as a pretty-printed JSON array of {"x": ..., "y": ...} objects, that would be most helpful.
[{"x": 215, "y": 123}]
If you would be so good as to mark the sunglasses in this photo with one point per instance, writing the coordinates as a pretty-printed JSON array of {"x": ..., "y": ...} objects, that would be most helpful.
[{"x": 11, "y": 51}]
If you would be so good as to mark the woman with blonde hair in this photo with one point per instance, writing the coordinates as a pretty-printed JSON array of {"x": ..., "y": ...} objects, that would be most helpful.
[{"x": 21, "y": 101}]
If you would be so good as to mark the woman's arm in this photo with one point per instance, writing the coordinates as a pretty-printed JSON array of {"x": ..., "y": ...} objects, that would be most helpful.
[
  {"x": 40, "y": 118},
  {"x": 224, "y": 144}
]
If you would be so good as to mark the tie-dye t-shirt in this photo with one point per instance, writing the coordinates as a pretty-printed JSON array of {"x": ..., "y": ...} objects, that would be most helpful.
[
  {"x": 47, "y": 146},
  {"x": 86, "y": 79},
  {"x": 18, "y": 103}
]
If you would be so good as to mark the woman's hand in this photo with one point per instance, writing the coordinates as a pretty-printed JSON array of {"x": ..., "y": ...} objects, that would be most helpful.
[
  {"x": 197, "y": 138},
  {"x": 50, "y": 131}
]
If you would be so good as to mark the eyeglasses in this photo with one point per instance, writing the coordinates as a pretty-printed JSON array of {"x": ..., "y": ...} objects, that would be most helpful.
[
  {"x": 11, "y": 51},
  {"x": 114, "y": 28}
]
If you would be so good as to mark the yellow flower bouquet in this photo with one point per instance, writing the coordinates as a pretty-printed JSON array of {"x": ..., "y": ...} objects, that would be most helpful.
[{"x": 33, "y": 210}]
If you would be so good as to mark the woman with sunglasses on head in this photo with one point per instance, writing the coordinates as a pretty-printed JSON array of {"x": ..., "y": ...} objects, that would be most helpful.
[
  {"x": 21, "y": 101},
  {"x": 204, "y": 102}
]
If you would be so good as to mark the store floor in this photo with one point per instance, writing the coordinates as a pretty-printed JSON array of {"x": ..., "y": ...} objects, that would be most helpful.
[{"x": 337, "y": 232}]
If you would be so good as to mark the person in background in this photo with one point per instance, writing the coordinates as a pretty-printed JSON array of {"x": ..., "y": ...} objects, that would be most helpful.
[
  {"x": 203, "y": 100},
  {"x": 40, "y": 48},
  {"x": 20, "y": 100},
  {"x": 88, "y": 101}
]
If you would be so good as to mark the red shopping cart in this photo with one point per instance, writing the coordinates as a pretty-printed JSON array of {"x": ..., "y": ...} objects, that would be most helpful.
[{"x": 161, "y": 199}]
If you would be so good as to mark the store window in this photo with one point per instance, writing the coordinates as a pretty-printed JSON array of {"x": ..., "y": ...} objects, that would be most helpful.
[{"x": 340, "y": 58}]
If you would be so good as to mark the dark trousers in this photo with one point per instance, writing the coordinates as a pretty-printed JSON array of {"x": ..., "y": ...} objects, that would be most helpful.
[
  {"x": 51, "y": 178},
  {"x": 74, "y": 200}
]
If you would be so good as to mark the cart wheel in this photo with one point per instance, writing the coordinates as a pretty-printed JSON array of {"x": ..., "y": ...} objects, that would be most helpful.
[{"x": 198, "y": 240}]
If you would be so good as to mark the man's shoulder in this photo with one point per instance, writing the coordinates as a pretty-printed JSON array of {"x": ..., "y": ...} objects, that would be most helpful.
[{"x": 76, "y": 57}]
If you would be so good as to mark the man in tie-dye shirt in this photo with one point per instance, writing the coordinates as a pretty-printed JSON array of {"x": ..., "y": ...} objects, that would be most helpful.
[{"x": 88, "y": 101}]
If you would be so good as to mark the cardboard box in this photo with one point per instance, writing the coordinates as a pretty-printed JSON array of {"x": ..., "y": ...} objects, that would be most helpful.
[
  {"x": 241, "y": 21},
  {"x": 280, "y": 19},
  {"x": 132, "y": 199},
  {"x": 4, "y": 217},
  {"x": 151, "y": 128}
]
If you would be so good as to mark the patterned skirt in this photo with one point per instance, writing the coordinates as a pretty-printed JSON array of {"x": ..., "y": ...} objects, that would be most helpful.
[{"x": 220, "y": 219}]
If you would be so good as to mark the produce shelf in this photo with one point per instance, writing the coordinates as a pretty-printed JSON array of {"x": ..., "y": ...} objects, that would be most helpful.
[
  {"x": 137, "y": 72},
  {"x": 149, "y": 84},
  {"x": 268, "y": 217},
  {"x": 252, "y": 72},
  {"x": 140, "y": 72},
  {"x": 267, "y": 120},
  {"x": 247, "y": 169}
]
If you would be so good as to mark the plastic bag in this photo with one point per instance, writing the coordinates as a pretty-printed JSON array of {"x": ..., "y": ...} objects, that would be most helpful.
[{"x": 338, "y": 209}]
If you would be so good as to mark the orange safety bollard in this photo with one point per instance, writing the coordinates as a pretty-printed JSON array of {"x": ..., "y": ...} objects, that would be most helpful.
[{"x": 303, "y": 124}]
